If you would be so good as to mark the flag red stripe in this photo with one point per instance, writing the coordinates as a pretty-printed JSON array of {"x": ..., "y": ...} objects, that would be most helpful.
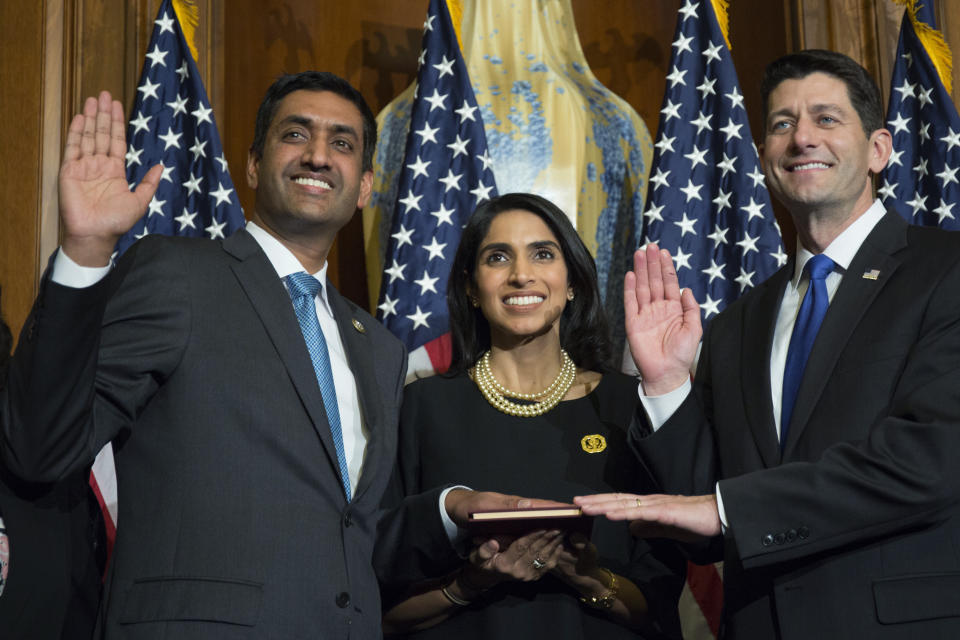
[
  {"x": 707, "y": 589},
  {"x": 440, "y": 351},
  {"x": 108, "y": 523}
]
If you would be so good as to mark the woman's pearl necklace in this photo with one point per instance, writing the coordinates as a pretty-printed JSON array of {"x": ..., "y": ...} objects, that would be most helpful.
[{"x": 496, "y": 394}]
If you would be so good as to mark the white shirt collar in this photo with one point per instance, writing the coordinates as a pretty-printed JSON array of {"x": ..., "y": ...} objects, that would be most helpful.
[
  {"x": 845, "y": 245},
  {"x": 284, "y": 262}
]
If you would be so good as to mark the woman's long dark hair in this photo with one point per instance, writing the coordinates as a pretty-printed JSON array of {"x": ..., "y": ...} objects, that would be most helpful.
[{"x": 584, "y": 333}]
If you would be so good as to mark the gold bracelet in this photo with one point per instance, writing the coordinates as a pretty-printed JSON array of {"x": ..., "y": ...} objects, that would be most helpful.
[
  {"x": 460, "y": 602},
  {"x": 606, "y": 600}
]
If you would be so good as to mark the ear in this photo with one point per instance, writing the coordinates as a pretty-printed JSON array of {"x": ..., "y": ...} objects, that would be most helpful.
[
  {"x": 253, "y": 169},
  {"x": 366, "y": 188},
  {"x": 881, "y": 146}
]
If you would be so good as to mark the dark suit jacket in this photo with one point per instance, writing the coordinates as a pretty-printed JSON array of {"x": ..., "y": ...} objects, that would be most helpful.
[
  {"x": 232, "y": 519},
  {"x": 854, "y": 532},
  {"x": 56, "y": 543}
]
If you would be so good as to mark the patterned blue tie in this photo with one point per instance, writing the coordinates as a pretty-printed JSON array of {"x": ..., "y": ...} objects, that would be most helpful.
[
  {"x": 303, "y": 289},
  {"x": 809, "y": 319}
]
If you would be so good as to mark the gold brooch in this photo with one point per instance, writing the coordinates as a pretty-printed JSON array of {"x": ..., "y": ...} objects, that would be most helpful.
[{"x": 594, "y": 443}]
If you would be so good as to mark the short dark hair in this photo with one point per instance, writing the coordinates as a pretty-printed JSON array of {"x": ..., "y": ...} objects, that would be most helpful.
[
  {"x": 584, "y": 332},
  {"x": 314, "y": 81},
  {"x": 862, "y": 90}
]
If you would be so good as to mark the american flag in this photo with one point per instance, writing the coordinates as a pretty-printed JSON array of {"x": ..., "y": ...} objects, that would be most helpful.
[
  {"x": 706, "y": 201},
  {"x": 920, "y": 180},
  {"x": 447, "y": 172},
  {"x": 171, "y": 122},
  {"x": 708, "y": 205}
]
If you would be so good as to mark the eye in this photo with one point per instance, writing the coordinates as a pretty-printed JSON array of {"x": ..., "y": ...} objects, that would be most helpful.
[
  {"x": 779, "y": 125},
  {"x": 345, "y": 145},
  {"x": 827, "y": 120},
  {"x": 495, "y": 257},
  {"x": 294, "y": 135},
  {"x": 543, "y": 253}
]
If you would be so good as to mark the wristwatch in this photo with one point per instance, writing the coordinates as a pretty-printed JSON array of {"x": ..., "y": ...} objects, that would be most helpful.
[{"x": 606, "y": 600}]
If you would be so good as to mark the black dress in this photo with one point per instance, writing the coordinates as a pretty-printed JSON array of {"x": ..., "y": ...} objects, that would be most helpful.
[{"x": 449, "y": 434}]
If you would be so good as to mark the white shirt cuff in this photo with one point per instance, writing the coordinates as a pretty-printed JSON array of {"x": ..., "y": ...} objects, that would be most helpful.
[
  {"x": 724, "y": 525},
  {"x": 454, "y": 533},
  {"x": 68, "y": 273},
  {"x": 660, "y": 408}
]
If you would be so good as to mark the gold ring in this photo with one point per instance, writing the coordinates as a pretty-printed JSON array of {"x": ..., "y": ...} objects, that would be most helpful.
[
  {"x": 639, "y": 504},
  {"x": 538, "y": 563}
]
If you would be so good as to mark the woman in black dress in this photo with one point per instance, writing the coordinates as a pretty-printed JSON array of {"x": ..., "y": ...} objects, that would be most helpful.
[{"x": 531, "y": 407}]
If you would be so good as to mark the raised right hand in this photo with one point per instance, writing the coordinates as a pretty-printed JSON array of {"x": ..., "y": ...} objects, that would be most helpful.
[
  {"x": 662, "y": 322},
  {"x": 96, "y": 204}
]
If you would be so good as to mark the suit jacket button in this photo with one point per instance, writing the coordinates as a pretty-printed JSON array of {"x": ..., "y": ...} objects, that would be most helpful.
[
  {"x": 343, "y": 600},
  {"x": 347, "y": 520},
  {"x": 767, "y": 540},
  {"x": 791, "y": 535},
  {"x": 803, "y": 533},
  {"x": 780, "y": 538}
]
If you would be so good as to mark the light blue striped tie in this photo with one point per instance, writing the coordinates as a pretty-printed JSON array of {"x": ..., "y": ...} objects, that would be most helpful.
[{"x": 303, "y": 290}]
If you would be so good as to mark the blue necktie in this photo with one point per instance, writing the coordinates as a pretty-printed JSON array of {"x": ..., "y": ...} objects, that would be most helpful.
[
  {"x": 303, "y": 289},
  {"x": 809, "y": 319}
]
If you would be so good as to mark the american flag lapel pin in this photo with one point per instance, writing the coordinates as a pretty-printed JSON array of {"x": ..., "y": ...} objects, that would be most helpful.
[{"x": 872, "y": 274}]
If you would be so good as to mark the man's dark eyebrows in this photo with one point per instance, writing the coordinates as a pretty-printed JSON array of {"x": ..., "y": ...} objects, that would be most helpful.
[
  {"x": 344, "y": 128},
  {"x": 305, "y": 121},
  {"x": 294, "y": 118},
  {"x": 827, "y": 106},
  {"x": 786, "y": 111}
]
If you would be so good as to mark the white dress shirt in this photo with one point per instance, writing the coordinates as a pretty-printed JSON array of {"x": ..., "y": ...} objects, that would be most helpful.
[
  {"x": 355, "y": 432},
  {"x": 842, "y": 250}
]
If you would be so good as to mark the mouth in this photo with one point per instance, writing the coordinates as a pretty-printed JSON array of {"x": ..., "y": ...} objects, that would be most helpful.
[
  {"x": 807, "y": 166},
  {"x": 523, "y": 301},
  {"x": 313, "y": 182}
]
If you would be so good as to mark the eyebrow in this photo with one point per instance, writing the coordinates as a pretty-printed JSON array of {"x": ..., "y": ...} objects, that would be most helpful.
[
  {"x": 305, "y": 121},
  {"x": 505, "y": 246},
  {"x": 817, "y": 108}
]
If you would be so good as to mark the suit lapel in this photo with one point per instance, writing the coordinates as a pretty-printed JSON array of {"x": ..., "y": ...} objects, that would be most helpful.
[
  {"x": 850, "y": 302},
  {"x": 271, "y": 302},
  {"x": 360, "y": 355},
  {"x": 760, "y": 318}
]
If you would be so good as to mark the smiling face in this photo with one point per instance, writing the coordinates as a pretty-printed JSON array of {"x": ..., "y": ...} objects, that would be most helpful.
[
  {"x": 309, "y": 179},
  {"x": 815, "y": 154},
  {"x": 520, "y": 280}
]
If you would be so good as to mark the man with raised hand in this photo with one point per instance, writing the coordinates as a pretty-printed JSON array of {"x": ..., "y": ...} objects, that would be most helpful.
[
  {"x": 821, "y": 433},
  {"x": 253, "y": 410}
]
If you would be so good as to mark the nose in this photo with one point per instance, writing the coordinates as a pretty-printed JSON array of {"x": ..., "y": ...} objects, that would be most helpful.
[
  {"x": 316, "y": 154},
  {"x": 805, "y": 133},
  {"x": 520, "y": 273}
]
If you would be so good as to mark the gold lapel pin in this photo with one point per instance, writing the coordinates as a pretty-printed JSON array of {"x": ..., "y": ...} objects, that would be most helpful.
[
  {"x": 359, "y": 326},
  {"x": 593, "y": 443},
  {"x": 873, "y": 274}
]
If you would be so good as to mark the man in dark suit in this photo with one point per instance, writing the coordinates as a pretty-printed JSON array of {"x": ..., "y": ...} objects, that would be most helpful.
[
  {"x": 833, "y": 479},
  {"x": 51, "y": 587},
  {"x": 251, "y": 462}
]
